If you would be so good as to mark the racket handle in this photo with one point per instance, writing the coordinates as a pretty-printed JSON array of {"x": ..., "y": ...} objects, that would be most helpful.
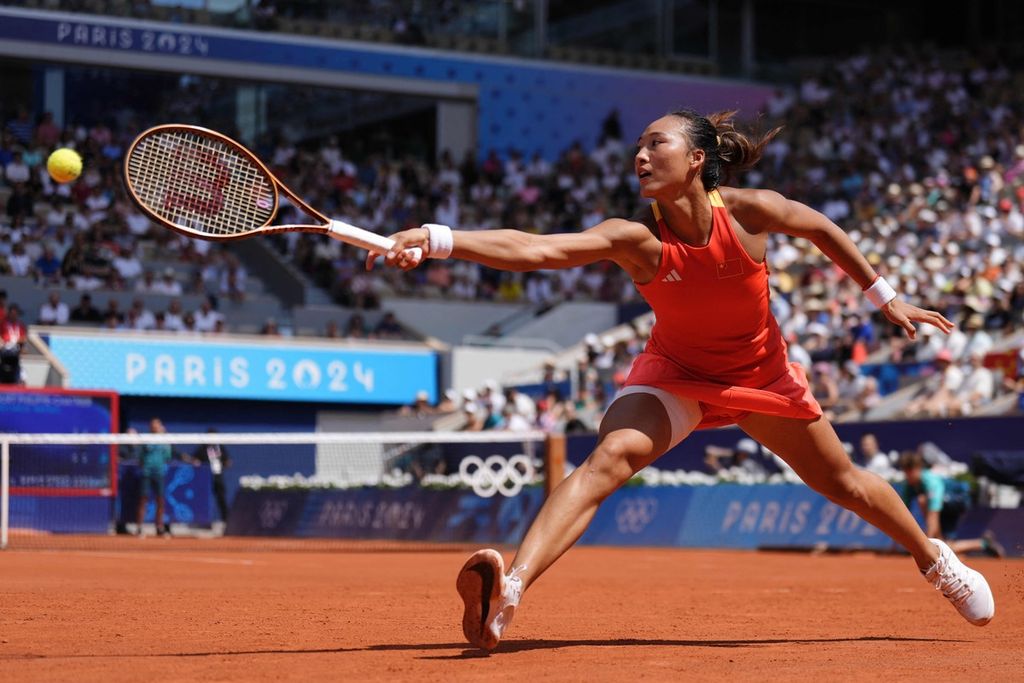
[{"x": 371, "y": 241}]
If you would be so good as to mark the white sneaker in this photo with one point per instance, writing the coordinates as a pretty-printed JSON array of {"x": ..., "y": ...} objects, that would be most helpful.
[
  {"x": 966, "y": 588},
  {"x": 490, "y": 598}
]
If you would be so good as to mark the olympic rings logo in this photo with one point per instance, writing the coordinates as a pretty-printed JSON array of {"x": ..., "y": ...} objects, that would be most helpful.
[
  {"x": 634, "y": 514},
  {"x": 496, "y": 474}
]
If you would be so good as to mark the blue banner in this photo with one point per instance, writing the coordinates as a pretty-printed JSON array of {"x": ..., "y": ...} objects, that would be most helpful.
[
  {"x": 401, "y": 514},
  {"x": 218, "y": 369},
  {"x": 266, "y": 512},
  {"x": 640, "y": 516},
  {"x": 109, "y": 34},
  {"x": 729, "y": 516},
  {"x": 722, "y": 516},
  {"x": 187, "y": 493},
  {"x": 499, "y": 519},
  {"x": 84, "y": 466},
  {"x": 772, "y": 516},
  {"x": 1006, "y": 524},
  {"x": 61, "y": 514},
  {"x": 412, "y": 513}
]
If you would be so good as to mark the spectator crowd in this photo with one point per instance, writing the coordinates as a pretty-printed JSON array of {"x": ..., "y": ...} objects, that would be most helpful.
[
  {"x": 917, "y": 155},
  {"x": 87, "y": 237}
]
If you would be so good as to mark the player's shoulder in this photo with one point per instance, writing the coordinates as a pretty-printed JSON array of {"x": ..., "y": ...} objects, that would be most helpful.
[
  {"x": 755, "y": 209},
  {"x": 750, "y": 199},
  {"x": 643, "y": 220},
  {"x": 637, "y": 227}
]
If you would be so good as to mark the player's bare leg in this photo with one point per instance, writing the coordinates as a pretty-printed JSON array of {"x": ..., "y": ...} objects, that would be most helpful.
[
  {"x": 634, "y": 432},
  {"x": 813, "y": 450}
]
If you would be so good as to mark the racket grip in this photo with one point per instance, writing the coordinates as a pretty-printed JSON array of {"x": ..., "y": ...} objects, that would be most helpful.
[{"x": 371, "y": 241}]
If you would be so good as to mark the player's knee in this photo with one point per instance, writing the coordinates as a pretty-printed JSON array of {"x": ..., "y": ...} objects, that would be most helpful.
[
  {"x": 844, "y": 488},
  {"x": 608, "y": 467}
]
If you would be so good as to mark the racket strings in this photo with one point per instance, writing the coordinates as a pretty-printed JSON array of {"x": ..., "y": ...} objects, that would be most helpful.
[{"x": 200, "y": 184}]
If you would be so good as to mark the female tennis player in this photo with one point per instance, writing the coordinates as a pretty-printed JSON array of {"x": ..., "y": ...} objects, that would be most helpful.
[{"x": 715, "y": 356}]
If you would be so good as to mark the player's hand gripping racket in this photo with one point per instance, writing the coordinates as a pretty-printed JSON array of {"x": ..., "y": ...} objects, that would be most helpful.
[{"x": 204, "y": 184}]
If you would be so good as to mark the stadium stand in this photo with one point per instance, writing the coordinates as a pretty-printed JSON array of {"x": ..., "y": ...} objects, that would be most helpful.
[
  {"x": 940, "y": 218},
  {"x": 491, "y": 27}
]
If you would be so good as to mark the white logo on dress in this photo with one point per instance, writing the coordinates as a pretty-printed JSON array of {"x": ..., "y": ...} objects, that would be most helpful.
[
  {"x": 496, "y": 474},
  {"x": 672, "y": 276}
]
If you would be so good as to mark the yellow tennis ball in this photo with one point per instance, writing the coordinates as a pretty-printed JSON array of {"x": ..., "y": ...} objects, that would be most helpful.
[{"x": 64, "y": 165}]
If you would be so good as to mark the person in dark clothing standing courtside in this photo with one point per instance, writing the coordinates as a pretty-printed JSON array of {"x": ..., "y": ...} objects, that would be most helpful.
[{"x": 216, "y": 456}]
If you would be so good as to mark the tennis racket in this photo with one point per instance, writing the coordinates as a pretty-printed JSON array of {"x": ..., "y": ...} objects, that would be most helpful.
[{"x": 203, "y": 184}]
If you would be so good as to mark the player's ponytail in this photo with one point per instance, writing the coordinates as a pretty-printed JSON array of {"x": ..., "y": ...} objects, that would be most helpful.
[{"x": 726, "y": 150}]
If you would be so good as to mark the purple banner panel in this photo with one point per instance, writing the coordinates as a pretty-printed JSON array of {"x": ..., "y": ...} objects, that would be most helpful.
[{"x": 407, "y": 514}]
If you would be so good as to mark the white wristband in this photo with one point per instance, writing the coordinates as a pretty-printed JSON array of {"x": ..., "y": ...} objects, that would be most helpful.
[
  {"x": 441, "y": 240},
  {"x": 880, "y": 292}
]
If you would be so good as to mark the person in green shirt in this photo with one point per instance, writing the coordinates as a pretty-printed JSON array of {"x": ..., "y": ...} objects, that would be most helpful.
[
  {"x": 154, "y": 460},
  {"x": 928, "y": 489}
]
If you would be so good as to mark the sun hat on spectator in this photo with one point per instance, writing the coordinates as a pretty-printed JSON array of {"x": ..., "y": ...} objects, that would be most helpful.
[
  {"x": 817, "y": 329},
  {"x": 814, "y": 305},
  {"x": 975, "y": 303}
]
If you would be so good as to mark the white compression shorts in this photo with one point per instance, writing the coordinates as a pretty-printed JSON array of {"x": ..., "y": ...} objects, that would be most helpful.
[{"x": 684, "y": 414}]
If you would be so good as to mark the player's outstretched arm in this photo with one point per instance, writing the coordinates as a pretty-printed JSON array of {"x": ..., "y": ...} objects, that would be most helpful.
[
  {"x": 615, "y": 239},
  {"x": 768, "y": 211}
]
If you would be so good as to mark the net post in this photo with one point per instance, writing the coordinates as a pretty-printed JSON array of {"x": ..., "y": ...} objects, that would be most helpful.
[
  {"x": 554, "y": 462},
  {"x": 5, "y": 489}
]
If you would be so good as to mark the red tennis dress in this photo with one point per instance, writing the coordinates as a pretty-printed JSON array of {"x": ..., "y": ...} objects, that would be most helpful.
[{"x": 715, "y": 339}]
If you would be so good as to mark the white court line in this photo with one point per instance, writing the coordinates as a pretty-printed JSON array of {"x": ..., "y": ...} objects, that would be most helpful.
[{"x": 161, "y": 556}]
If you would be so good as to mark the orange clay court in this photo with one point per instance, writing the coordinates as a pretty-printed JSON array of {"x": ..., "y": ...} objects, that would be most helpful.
[{"x": 120, "y": 613}]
